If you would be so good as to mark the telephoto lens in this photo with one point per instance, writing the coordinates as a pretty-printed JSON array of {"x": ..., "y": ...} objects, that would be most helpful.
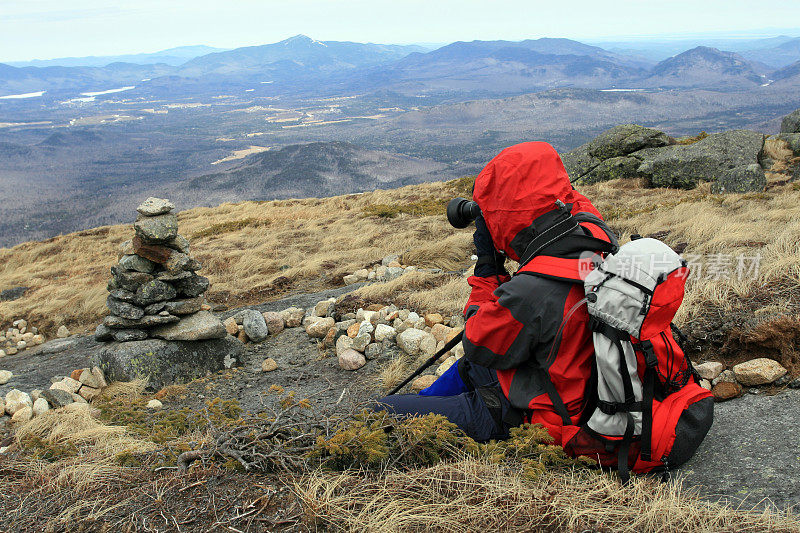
[{"x": 462, "y": 212}]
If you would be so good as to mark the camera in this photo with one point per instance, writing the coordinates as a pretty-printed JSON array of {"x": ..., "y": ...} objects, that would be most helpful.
[{"x": 462, "y": 212}]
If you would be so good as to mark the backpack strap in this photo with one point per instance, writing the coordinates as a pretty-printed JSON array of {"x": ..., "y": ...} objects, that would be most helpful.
[{"x": 648, "y": 392}]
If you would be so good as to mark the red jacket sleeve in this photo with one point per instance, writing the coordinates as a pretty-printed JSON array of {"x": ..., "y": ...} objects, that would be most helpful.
[{"x": 492, "y": 336}]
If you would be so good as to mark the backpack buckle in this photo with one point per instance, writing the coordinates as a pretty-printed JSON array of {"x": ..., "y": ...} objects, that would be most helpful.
[{"x": 646, "y": 347}]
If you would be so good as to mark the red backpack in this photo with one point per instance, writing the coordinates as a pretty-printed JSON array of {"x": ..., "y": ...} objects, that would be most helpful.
[{"x": 645, "y": 410}]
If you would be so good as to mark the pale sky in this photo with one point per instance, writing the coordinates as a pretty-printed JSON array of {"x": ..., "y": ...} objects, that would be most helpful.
[{"x": 43, "y": 29}]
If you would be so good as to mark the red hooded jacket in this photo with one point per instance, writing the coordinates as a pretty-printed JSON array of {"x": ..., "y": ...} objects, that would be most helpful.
[{"x": 513, "y": 322}]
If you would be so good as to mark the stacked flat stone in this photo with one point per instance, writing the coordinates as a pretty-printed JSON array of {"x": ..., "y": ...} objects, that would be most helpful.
[{"x": 155, "y": 291}]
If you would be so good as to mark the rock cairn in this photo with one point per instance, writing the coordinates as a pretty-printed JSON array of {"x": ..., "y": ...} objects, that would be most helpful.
[
  {"x": 20, "y": 336},
  {"x": 155, "y": 291}
]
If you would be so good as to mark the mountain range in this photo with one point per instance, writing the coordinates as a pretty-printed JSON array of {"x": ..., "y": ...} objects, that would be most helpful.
[
  {"x": 172, "y": 56},
  {"x": 304, "y": 65}
]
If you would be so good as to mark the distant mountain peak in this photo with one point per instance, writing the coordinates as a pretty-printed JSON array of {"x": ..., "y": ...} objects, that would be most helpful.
[
  {"x": 301, "y": 39},
  {"x": 708, "y": 63}
]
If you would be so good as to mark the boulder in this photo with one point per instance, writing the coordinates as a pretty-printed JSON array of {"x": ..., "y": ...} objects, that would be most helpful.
[
  {"x": 156, "y": 253},
  {"x": 709, "y": 159},
  {"x": 127, "y": 335},
  {"x": 88, "y": 393},
  {"x": 269, "y": 365},
  {"x": 168, "y": 362},
  {"x": 373, "y": 351},
  {"x": 5, "y": 376},
  {"x": 62, "y": 332},
  {"x": 185, "y": 306},
  {"x": 415, "y": 341},
  {"x": 384, "y": 332},
  {"x": 622, "y": 167},
  {"x": 139, "y": 264},
  {"x": 393, "y": 273},
  {"x": 16, "y": 400},
  {"x": 741, "y": 179},
  {"x": 199, "y": 326},
  {"x": 422, "y": 382},
  {"x": 325, "y": 307},
  {"x": 67, "y": 384},
  {"x": 709, "y": 370},
  {"x": 130, "y": 280},
  {"x": 90, "y": 379},
  {"x": 231, "y": 326},
  {"x": 274, "y": 322},
  {"x": 791, "y": 122},
  {"x": 361, "y": 341},
  {"x": 155, "y": 291},
  {"x": 192, "y": 286},
  {"x": 618, "y": 141},
  {"x": 57, "y": 397},
  {"x": 343, "y": 344},
  {"x": 126, "y": 248},
  {"x": 155, "y": 206},
  {"x": 349, "y": 279},
  {"x": 124, "y": 309},
  {"x": 99, "y": 377},
  {"x": 255, "y": 327},
  {"x": 147, "y": 321},
  {"x": 726, "y": 376},
  {"x": 156, "y": 229},
  {"x": 726, "y": 391},
  {"x": 179, "y": 262},
  {"x": 40, "y": 406},
  {"x": 365, "y": 328},
  {"x": 352, "y": 329},
  {"x": 179, "y": 243},
  {"x": 330, "y": 338},
  {"x": 759, "y": 371},
  {"x": 22, "y": 415},
  {"x": 445, "y": 366},
  {"x": 318, "y": 328},
  {"x": 154, "y": 404},
  {"x": 441, "y": 332},
  {"x": 390, "y": 259},
  {"x": 123, "y": 295},
  {"x": 432, "y": 319},
  {"x": 351, "y": 359},
  {"x": 103, "y": 333},
  {"x": 292, "y": 317}
]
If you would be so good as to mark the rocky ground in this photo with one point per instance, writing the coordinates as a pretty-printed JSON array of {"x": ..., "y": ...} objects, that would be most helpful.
[{"x": 751, "y": 453}]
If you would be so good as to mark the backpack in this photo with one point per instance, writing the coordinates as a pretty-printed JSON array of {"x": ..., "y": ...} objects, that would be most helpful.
[{"x": 648, "y": 411}]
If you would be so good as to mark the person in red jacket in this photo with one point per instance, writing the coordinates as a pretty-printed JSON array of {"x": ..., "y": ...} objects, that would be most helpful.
[{"x": 527, "y": 345}]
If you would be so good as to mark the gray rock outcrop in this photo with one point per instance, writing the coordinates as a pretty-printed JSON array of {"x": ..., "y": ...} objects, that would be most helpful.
[
  {"x": 164, "y": 362},
  {"x": 631, "y": 151},
  {"x": 709, "y": 159},
  {"x": 741, "y": 179},
  {"x": 791, "y": 122}
]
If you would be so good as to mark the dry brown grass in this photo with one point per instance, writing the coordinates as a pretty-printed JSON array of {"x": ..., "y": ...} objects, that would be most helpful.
[
  {"x": 256, "y": 251},
  {"x": 251, "y": 251},
  {"x": 473, "y": 495},
  {"x": 83, "y": 450}
]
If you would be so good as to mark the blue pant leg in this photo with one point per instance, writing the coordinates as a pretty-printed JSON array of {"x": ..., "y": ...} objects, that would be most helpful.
[
  {"x": 448, "y": 384},
  {"x": 467, "y": 410}
]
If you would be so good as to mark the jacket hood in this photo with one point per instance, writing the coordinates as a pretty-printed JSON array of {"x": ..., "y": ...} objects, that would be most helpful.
[{"x": 519, "y": 185}]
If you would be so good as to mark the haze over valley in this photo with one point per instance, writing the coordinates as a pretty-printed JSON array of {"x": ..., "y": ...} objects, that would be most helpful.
[{"x": 81, "y": 139}]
